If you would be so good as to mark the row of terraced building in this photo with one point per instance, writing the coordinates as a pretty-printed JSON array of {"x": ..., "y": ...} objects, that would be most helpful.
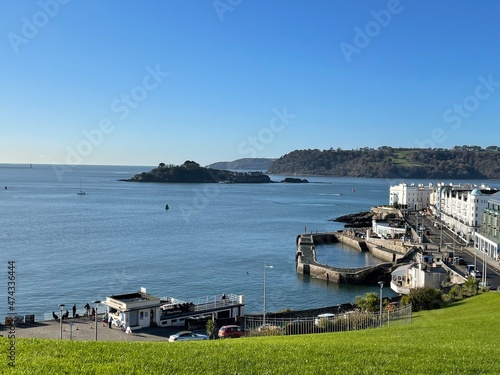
[{"x": 470, "y": 211}]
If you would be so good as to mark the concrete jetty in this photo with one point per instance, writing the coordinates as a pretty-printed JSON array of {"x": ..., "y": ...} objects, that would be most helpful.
[{"x": 307, "y": 264}]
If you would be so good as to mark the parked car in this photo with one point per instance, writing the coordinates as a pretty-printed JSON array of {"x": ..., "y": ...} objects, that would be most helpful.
[
  {"x": 458, "y": 261},
  {"x": 187, "y": 336},
  {"x": 231, "y": 331},
  {"x": 327, "y": 316}
]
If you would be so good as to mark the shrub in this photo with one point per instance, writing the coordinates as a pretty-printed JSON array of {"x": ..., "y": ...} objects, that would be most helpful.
[
  {"x": 369, "y": 302},
  {"x": 456, "y": 293},
  {"x": 423, "y": 299},
  {"x": 285, "y": 310},
  {"x": 470, "y": 287}
]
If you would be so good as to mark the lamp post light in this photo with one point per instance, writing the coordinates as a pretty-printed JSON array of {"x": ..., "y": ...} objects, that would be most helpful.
[
  {"x": 61, "y": 319},
  {"x": 264, "y": 315},
  {"x": 485, "y": 269},
  {"x": 381, "y": 283},
  {"x": 95, "y": 316}
]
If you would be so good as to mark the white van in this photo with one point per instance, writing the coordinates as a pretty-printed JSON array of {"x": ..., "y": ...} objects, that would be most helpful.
[{"x": 469, "y": 268}]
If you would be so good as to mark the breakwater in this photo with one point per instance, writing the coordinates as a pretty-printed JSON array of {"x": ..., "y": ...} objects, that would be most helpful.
[{"x": 306, "y": 263}]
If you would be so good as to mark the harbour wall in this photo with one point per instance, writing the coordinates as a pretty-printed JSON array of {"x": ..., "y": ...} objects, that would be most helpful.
[{"x": 307, "y": 264}]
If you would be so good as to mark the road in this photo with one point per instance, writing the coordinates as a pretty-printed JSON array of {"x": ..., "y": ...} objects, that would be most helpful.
[{"x": 445, "y": 241}]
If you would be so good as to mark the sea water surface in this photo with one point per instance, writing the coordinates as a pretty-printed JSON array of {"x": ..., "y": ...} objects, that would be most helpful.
[{"x": 214, "y": 239}]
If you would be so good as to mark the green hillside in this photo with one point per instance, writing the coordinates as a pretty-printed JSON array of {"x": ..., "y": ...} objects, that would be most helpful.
[
  {"x": 459, "y": 339},
  {"x": 461, "y": 162}
]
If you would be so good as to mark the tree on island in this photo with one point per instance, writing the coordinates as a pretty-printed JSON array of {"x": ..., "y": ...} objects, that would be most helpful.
[{"x": 190, "y": 164}]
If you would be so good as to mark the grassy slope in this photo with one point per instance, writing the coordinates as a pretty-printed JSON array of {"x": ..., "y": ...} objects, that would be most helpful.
[
  {"x": 400, "y": 157},
  {"x": 461, "y": 339}
]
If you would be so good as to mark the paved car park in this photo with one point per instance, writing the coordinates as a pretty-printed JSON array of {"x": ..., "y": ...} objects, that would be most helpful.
[{"x": 84, "y": 329}]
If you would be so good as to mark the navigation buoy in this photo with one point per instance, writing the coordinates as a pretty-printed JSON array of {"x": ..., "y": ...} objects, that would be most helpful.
[
  {"x": 353, "y": 190},
  {"x": 166, "y": 207}
]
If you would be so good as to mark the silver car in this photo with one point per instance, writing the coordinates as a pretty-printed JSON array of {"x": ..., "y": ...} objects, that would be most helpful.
[
  {"x": 476, "y": 274},
  {"x": 187, "y": 336}
]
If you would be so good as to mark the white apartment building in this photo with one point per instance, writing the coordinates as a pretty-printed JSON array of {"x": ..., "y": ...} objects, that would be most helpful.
[
  {"x": 460, "y": 207},
  {"x": 411, "y": 197}
]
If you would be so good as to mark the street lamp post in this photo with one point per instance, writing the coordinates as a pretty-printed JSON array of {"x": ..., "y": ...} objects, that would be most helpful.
[
  {"x": 61, "y": 319},
  {"x": 264, "y": 315},
  {"x": 96, "y": 306},
  {"x": 485, "y": 268},
  {"x": 381, "y": 283}
]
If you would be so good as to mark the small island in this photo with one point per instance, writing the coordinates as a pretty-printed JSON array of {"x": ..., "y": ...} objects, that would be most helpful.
[
  {"x": 292, "y": 180},
  {"x": 192, "y": 172}
]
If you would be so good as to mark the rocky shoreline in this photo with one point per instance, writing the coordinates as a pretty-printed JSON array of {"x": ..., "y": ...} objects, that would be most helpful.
[{"x": 358, "y": 220}]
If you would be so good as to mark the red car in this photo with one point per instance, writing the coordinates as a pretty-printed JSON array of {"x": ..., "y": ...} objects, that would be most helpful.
[{"x": 231, "y": 331}]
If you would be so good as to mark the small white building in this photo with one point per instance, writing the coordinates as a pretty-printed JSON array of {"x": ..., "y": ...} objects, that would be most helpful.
[
  {"x": 385, "y": 230},
  {"x": 418, "y": 275},
  {"x": 135, "y": 310},
  {"x": 141, "y": 310}
]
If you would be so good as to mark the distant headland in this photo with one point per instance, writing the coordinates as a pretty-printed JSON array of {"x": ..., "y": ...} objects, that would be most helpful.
[
  {"x": 256, "y": 164},
  {"x": 459, "y": 162}
]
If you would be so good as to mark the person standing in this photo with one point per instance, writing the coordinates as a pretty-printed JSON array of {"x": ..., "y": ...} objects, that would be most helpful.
[
  {"x": 74, "y": 310},
  {"x": 110, "y": 321},
  {"x": 104, "y": 319},
  {"x": 87, "y": 310}
]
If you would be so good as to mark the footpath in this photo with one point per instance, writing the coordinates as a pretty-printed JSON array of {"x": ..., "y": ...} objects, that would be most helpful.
[{"x": 83, "y": 328}]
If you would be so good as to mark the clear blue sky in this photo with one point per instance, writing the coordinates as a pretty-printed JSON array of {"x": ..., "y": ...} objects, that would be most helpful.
[{"x": 143, "y": 82}]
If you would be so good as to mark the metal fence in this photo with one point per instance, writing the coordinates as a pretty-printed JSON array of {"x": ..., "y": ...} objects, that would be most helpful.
[{"x": 349, "y": 321}]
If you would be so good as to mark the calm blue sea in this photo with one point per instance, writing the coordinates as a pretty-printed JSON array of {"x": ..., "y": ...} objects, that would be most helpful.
[{"x": 214, "y": 239}]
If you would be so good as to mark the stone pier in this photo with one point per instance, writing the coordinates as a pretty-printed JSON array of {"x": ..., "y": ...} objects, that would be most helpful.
[{"x": 307, "y": 264}]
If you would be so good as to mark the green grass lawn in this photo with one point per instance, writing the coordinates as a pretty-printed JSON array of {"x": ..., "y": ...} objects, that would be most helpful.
[
  {"x": 460, "y": 339},
  {"x": 400, "y": 157}
]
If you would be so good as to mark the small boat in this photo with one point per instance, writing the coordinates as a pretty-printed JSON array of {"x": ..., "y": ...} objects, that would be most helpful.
[
  {"x": 166, "y": 207},
  {"x": 81, "y": 192}
]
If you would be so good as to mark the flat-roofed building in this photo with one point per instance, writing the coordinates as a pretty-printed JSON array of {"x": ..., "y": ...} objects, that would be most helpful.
[{"x": 413, "y": 197}]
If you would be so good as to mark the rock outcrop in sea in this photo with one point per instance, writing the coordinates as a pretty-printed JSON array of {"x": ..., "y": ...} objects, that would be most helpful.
[{"x": 359, "y": 220}]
